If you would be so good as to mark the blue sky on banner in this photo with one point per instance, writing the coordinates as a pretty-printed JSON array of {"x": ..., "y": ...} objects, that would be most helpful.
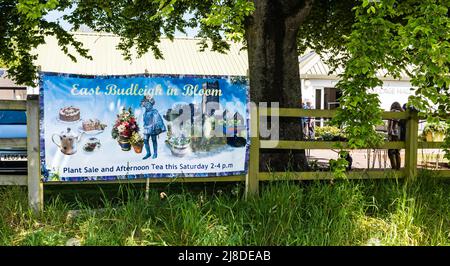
[{"x": 234, "y": 97}]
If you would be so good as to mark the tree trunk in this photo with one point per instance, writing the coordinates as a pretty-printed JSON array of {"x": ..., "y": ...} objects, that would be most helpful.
[{"x": 271, "y": 35}]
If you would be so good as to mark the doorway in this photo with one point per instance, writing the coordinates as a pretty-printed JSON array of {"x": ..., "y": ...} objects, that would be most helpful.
[{"x": 331, "y": 98}]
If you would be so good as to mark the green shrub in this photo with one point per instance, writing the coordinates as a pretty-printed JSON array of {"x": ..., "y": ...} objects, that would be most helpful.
[{"x": 329, "y": 133}]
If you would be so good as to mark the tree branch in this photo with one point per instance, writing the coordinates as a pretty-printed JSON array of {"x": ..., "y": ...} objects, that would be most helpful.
[
  {"x": 302, "y": 13},
  {"x": 294, "y": 21}
]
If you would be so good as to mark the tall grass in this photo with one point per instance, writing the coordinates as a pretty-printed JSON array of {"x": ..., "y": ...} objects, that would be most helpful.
[{"x": 366, "y": 212}]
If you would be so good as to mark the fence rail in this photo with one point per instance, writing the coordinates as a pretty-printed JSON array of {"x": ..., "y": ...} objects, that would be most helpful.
[
  {"x": 254, "y": 176},
  {"x": 13, "y": 180},
  {"x": 324, "y": 145},
  {"x": 295, "y": 112},
  {"x": 13, "y": 143},
  {"x": 13, "y": 105}
]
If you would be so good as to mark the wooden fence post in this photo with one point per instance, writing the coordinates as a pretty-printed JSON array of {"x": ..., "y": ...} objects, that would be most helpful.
[
  {"x": 412, "y": 128},
  {"x": 35, "y": 186},
  {"x": 251, "y": 179}
]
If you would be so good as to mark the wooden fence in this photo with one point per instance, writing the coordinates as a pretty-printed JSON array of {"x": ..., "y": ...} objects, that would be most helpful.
[{"x": 254, "y": 176}]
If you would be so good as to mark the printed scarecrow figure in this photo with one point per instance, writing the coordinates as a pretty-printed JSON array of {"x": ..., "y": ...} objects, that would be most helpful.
[{"x": 153, "y": 126}]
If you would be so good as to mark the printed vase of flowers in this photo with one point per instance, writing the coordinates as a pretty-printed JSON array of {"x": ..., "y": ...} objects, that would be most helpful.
[
  {"x": 137, "y": 142},
  {"x": 124, "y": 127}
]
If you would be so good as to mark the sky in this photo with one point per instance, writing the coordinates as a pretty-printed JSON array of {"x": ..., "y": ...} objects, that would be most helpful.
[{"x": 56, "y": 16}]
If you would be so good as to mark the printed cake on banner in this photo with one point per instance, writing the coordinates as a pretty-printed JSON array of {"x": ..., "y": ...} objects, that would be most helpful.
[{"x": 126, "y": 127}]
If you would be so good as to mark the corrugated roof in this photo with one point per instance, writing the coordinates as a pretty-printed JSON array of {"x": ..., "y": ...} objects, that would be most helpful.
[
  {"x": 6, "y": 82},
  {"x": 182, "y": 56}
]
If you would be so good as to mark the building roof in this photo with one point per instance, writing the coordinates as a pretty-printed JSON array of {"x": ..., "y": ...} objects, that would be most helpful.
[
  {"x": 6, "y": 82},
  {"x": 182, "y": 56},
  {"x": 312, "y": 66}
]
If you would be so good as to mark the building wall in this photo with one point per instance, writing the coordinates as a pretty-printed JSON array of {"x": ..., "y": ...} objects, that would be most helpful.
[
  {"x": 13, "y": 94},
  {"x": 390, "y": 92},
  {"x": 393, "y": 91}
]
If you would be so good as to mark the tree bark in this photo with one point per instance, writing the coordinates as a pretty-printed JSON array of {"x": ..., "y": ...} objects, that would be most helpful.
[{"x": 271, "y": 35}]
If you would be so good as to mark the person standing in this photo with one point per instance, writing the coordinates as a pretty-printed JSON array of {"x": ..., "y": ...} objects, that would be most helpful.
[
  {"x": 394, "y": 134},
  {"x": 310, "y": 122},
  {"x": 307, "y": 123},
  {"x": 304, "y": 121}
]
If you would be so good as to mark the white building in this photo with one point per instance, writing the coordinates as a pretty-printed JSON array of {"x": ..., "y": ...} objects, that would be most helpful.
[
  {"x": 10, "y": 90},
  {"x": 318, "y": 85}
]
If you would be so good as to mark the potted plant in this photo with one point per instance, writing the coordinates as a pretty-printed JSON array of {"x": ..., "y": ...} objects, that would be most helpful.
[
  {"x": 137, "y": 142},
  {"x": 179, "y": 146},
  {"x": 434, "y": 131},
  {"x": 124, "y": 127}
]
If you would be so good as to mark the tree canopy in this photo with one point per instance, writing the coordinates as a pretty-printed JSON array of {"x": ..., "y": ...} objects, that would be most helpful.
[
  {"x": 398, "y": 36},
  {"x": 22, "y": 29},
  {"x": 364, "y": 36},
  {"x": 141, "y": 24}
]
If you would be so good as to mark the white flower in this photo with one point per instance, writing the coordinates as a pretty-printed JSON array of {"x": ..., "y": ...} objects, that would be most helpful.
[{"x": 121, "y": 128}]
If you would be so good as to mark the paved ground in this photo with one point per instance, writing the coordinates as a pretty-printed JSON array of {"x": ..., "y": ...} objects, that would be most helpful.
[{"x": 361, "y": 158}]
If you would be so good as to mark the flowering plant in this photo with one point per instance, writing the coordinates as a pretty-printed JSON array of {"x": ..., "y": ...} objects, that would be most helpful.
[
  {"x": 125, "y": 125},
  {"x": 136, "y": 139},
  {"x": 179, "y": 141}
]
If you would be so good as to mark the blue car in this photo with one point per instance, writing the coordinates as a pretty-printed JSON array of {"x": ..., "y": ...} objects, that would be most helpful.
[{"x": 13, "y": 125}]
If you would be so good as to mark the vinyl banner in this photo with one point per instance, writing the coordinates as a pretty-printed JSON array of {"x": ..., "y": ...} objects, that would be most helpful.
[{"x": 142, "y": 126}]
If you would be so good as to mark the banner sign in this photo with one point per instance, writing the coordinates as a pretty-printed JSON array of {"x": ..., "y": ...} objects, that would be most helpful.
[{"x": 142, "y": 126}]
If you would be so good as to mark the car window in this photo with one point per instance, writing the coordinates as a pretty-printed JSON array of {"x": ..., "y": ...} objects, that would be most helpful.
[{"x": 13, "y": 118}]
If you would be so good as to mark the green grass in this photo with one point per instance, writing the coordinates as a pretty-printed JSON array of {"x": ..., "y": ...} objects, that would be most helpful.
[{"x": 365, "y": 212}]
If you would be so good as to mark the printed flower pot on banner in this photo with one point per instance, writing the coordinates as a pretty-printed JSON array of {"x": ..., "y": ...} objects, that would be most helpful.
[
  {"x": 138, "y": 148},
  {"x": 125, "y": 144},
  {"x": 179, "y": 150},
  {"x": 179, "y": 146},
  {"x": 124, "y": 128},
  {"x": 137, "y": 142}
]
